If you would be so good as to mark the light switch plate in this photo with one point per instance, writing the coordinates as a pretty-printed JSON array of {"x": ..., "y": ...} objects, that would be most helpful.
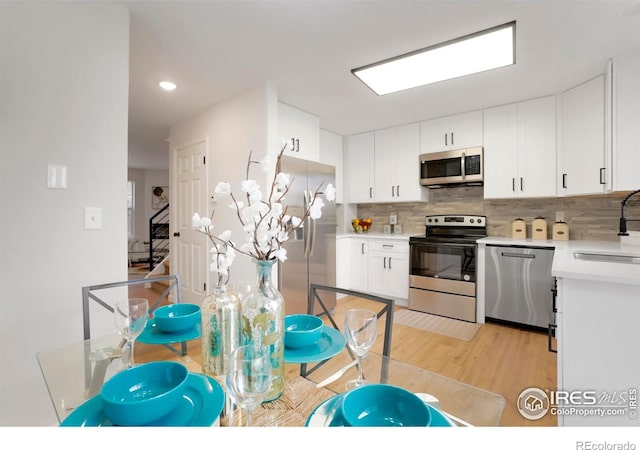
[
  {"x": 56, "y": 176},
  {"x": 92, "y": 218}
]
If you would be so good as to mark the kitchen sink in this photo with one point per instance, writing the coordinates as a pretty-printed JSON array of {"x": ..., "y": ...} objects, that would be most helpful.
[{"x": 607, "y": 257}]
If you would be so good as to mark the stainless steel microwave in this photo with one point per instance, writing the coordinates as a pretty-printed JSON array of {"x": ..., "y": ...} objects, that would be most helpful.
[{"x": 452, "y": 167}]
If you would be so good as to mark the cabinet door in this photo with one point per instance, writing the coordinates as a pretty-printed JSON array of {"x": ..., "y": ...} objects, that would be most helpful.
[
  {"x": 500, "y": 151},
  {"x": 359, "y": 171},
  {"x": 385, "y": 154},
  {"x": 465, "y": 130},
  {"x": 434, "y": 135},
  {"x": 537, "y": 148},
  {"x": 378, "y": 273},
  {"x": 626, "y": 122},
  {"x": 358, "y": 264},
  {"x": 581, "y": 146},
  {"x": 407, "y": 165},
  {"x": 301, "y": 131},
  {"x": 398, "y": 275}
]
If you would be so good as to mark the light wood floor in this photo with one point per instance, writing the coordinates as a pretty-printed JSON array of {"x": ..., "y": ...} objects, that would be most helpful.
[{"x": 500, "y": 359}]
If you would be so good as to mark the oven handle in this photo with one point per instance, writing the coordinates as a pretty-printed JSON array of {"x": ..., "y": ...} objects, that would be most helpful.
[{"x": 442, "y": 244}]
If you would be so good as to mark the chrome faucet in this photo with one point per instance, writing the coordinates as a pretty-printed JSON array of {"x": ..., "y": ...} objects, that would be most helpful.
[{"x": 623, "y": 220}]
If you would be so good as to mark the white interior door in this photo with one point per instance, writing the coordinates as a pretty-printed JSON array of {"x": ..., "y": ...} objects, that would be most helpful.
[{"x": 190, "y": 246}]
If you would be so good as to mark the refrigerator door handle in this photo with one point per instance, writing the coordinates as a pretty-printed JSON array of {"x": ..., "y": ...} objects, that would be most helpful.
[{"x": 305, "y": 225}]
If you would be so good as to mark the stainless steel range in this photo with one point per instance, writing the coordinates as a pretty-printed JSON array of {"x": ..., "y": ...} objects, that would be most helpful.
[{"x": 442, "y": 269}]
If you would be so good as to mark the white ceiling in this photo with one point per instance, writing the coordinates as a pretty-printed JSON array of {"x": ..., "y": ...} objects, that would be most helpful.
[{"x": 216, "y": 49}]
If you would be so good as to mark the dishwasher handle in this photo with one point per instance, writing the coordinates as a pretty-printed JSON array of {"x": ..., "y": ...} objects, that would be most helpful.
[{"x": 518, "y": 255}]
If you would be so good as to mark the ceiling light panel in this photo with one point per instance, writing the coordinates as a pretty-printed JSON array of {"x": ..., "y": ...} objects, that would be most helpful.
[
  {"x": 167, "y": 85},
  {"x": 478, "y": 52}
]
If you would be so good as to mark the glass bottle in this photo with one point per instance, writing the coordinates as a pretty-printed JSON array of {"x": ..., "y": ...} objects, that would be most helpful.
[
  {"x": 263, "y": 323},
  {"x": 221, "y": 329}
]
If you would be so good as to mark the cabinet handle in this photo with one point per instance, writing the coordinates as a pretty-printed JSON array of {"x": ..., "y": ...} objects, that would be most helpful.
[
  {"x": 387, "y": 245},
  {"x": 452, "y": 138},
  {"x": 551, "y": 334},
  {"x": 389, "y": 262},
  {"x": 393, "y": 191},
  {"x": 293, "y": 144},
  {"x": 297, "y": 145},
  {"x": 445, "y": 139},
  {"x": 564, "y": 180},
  {"x": 513, "y": 184},
  {"x": 521, "y": 184},
  {"x": 602, "y": 180},
  {"x": 384, "y": 262},
  {"x": 362, "y": 248},
  {"x": 370, "y": 192},
  {"x": 398, "y": 190}
]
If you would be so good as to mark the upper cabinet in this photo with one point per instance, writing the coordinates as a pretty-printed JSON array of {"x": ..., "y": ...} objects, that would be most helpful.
[
  {"x": 383, "y": 166},
  {"x": 583, "y": 160},
  {"x": 520, "y": 149},
  {"x": 301, "y": 131},
  {"x": 626, "y": 122},
  {"x": 453, "y": 132},
  {"x": 396, "y": 168},
  {"x": 359, "y": 166}
]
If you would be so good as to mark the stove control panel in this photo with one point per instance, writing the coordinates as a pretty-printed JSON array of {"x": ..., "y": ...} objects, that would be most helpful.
[{"x": 456, "y": 221}]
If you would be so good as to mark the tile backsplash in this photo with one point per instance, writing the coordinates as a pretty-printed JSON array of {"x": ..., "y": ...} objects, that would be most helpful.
[{"x": 593, "y": 218}]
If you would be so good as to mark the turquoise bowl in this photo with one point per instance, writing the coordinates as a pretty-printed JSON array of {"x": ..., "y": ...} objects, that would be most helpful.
[
  {"x": 302, "y": 330},
  {"x": 176, "y": 317},
  {"x": 383, "y": 405},
  {"x": 143, "y": 393}
]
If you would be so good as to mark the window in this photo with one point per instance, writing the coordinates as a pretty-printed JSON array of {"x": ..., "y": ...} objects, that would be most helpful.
[{"x": 130, "y": 207}]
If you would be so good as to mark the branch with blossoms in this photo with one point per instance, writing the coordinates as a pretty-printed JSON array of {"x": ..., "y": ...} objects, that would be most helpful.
[{"x": 267, "y": 225}]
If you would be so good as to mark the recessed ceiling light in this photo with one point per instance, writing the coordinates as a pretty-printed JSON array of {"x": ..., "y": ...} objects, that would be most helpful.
[
  {"x": 477, "y": 52},
  {"x": 167, "y": 85}
]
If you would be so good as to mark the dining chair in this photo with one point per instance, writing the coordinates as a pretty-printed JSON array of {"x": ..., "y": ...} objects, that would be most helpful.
[
  {"x": 173, "y": 283},
  {"x": 386, "y": 311}
]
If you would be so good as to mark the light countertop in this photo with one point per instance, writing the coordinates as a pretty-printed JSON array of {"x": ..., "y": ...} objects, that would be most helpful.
[
  {"x": 369, "y": 235},
  {"x": 565, "y": 264}
]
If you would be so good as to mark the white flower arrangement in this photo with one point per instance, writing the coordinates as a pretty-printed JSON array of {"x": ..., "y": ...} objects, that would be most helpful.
[{"x": 266, "y": 223}]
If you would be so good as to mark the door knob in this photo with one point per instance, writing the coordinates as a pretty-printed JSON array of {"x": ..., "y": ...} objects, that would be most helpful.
[{"x": 176, "y": 234}]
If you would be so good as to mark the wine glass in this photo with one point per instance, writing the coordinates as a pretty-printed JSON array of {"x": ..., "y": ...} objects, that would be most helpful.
[
  {"x": 249, "y": 377},
  {"x": 130, "y": 317},
  {"x": 360, "y": 326}
]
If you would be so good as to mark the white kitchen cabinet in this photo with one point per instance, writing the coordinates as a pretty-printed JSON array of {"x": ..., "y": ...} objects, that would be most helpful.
[
  {"x": 452, "y": 132},
  {"x": 301, "y": 131},
  {"x": 358, "y": 264},
  {"x": 626, "y": 122},
  {"x": 396, "y": 166},
  {"x": 598, "y": 343},
  {"x": 359, "y": 170},
  {"x": 582, "y": 147},
  {"x": 520, "y": 149},
  {"x": 331, "y": 152},
  {"x": 389, "y": 268}
]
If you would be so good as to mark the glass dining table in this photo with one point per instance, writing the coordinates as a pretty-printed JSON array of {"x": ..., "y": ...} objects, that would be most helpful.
[{"x": 75, "y": 373}]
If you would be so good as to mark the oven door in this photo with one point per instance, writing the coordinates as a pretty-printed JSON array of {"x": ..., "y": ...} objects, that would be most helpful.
[{"x": 447, "y": 261}]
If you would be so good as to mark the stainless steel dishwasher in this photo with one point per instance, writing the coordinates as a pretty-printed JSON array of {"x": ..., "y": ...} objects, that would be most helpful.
[{"x": 518, "y": 284}]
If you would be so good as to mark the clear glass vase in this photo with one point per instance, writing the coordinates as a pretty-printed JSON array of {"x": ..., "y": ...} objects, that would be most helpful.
[
  {"x": 221, "y": 329},
  {"x": 263, "y": 323}
]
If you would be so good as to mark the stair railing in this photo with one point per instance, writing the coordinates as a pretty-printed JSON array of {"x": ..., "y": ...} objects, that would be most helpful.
[{"x": 158, "y": 237}]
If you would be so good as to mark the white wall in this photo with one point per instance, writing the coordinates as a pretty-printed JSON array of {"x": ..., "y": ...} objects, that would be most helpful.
[
  {"x": 64, "y": 101},
  {"x": 233, "y": 128}
]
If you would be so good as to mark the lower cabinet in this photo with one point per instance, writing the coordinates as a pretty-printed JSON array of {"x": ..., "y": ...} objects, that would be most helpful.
[
  {"x": 598, "y": 363},
  {"x": 376, "y": 266},
  {"x": 389, "y": 268}
]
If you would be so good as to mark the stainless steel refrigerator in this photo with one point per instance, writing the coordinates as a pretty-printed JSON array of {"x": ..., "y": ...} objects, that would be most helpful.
[{"x": 311, "y": 250}]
